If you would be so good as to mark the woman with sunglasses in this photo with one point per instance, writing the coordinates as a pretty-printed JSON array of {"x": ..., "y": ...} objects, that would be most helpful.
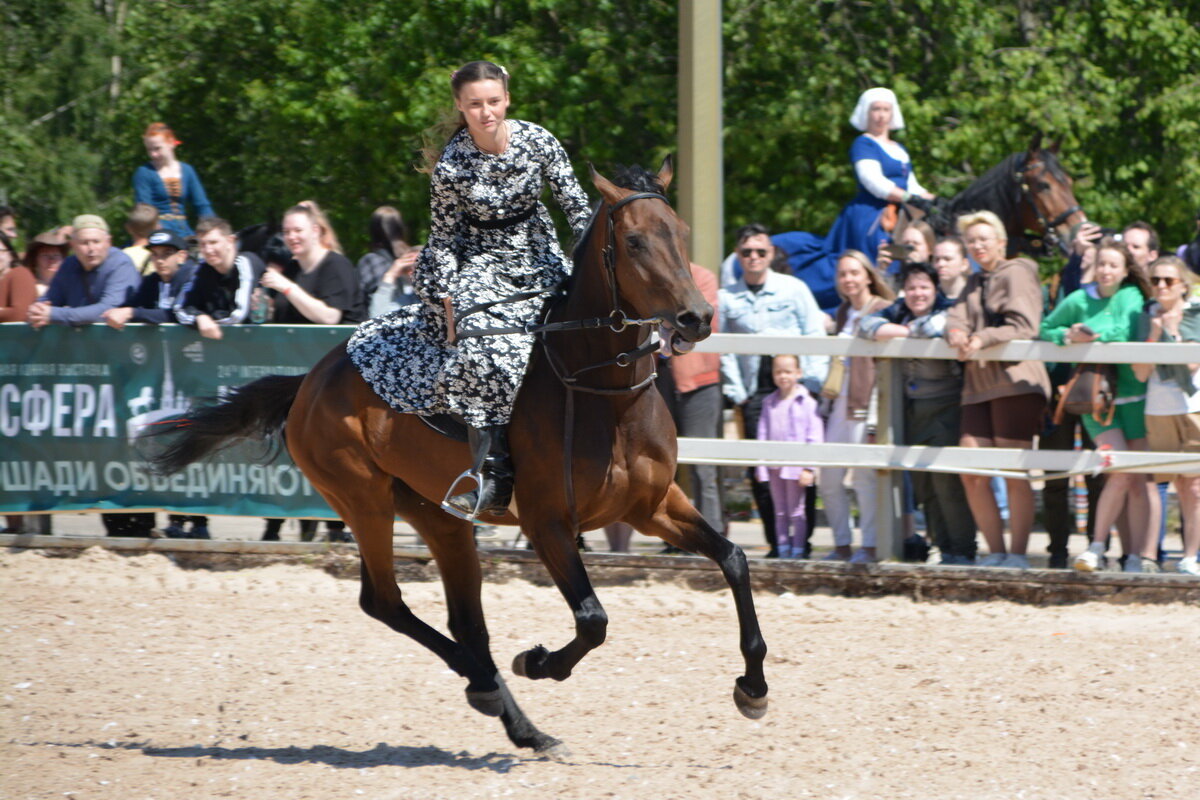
[
  {"x": 1107, "y": 311},
  {"x": 1173, "y": 390}
]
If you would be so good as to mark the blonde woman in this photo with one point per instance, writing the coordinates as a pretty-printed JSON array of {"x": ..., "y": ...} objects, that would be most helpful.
[
  {"x": 1173, "y": 391},
  {"x": 1003, "y": 401},
  {"x": 852, "y": 417}
]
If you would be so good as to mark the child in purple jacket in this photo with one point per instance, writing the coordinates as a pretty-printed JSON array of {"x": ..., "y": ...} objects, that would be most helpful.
[{"x": 789, "y": 414}]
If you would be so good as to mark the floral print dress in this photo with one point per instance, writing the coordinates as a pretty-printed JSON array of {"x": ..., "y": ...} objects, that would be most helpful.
[{"x": 490, "y": 237}]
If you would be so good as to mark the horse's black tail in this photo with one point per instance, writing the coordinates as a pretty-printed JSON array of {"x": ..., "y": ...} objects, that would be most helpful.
[{"x": 254, "y": 411}]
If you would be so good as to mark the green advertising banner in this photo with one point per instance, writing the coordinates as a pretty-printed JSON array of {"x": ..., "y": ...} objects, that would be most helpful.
[{"x": 73, "y": 399}]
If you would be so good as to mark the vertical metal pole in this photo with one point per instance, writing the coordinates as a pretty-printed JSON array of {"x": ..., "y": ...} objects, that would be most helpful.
[
  {"x": 699, "y": 171},
  {"x": 890, "y": 418}
]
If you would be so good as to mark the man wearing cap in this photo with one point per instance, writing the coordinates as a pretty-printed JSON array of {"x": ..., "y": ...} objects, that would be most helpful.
[
  {"x": 96, "y": 278},
  {"x": 159, "y": 291}
]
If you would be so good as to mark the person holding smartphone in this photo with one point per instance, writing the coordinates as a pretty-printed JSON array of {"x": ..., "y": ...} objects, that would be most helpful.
[{"x": 1107, "y": 311}]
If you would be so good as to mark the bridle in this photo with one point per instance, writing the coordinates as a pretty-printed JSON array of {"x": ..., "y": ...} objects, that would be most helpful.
[
  {"x": 617, "y": 320},
  {"x": 1049, "y": 227}
]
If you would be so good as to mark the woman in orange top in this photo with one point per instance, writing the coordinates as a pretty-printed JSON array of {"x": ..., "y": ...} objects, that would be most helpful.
[{"x": 18, "y": 289}]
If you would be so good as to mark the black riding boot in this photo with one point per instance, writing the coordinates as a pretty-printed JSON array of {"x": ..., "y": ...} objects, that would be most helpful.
[{"x": 491, "y": 461}]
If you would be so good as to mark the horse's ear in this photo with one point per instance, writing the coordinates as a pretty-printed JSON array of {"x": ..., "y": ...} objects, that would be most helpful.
[
  {"x": 608, "y": 190},
  {"x": 1054, "y": 146},
  {"x": 1035, "y": 143},
  {"x": 666, "y": 172}
]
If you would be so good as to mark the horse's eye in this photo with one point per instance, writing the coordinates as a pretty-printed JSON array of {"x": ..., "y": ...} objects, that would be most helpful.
[
  {"x": 633, "y": 242},
  {"x": 1043, "y": 186}
]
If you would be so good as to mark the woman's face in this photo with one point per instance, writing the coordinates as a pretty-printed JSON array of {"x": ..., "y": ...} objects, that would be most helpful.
[
  {"x": 917, "y": 244},
  {"x": 48, "y": 261},
  {"x": 919, "y": 293},
  {"x": 950, "y": 263},
  {"x": 984, "y": 245},
  {"x": 299, "y": 233},
  {"x": 484, "y": 105},
  {"x": 1110, "y": 270},
  {"x": 879, "y": 117},
  {"x": 852, "y": 279},
  {"x": 159, "y": 150},
  {"x": 1169, "y": 287}
]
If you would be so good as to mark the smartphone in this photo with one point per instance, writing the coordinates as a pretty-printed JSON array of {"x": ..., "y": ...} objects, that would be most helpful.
[
  {"x": 1087, "y": 330},
  {"x": 897, "y": 251}
]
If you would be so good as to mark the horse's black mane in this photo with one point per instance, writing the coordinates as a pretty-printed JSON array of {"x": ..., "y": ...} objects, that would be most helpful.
[
  {"x": 639, "y": 179},
  {"x": 999, "y": 186}
]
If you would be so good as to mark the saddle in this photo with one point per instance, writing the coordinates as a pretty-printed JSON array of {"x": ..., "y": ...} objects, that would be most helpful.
[{"x": 451, "y": 426}]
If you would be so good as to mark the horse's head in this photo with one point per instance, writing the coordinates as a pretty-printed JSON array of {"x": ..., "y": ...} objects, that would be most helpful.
[
  {"x": 1048, "y": 188},
  {"x": 647, "y": 255}
]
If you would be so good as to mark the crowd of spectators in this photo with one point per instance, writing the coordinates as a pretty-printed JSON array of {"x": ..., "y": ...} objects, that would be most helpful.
[
  {"x": 1124, "y": 291},
  {"x": 1115, "y": 286}
]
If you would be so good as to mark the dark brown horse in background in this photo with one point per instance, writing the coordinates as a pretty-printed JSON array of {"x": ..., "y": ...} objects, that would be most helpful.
[
  {"x": 613, "y": 459},
  {"x": 1030, "y": 192}
]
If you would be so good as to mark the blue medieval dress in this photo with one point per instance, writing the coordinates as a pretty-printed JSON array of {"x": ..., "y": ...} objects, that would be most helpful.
[
  {"x": 490, "y": 237},
  {"x": 813, "y": 258}
]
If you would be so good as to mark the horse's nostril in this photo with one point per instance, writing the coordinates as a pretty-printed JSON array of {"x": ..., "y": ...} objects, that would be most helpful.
[{"x": 689, "y": 320}]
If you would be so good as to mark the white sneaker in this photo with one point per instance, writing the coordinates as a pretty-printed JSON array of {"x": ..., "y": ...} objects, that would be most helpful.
[
  {"x": 1188, "y": 565},
  {"x": 1133, "y": 563},
  {"x": 1092, "y": 559},
  {"x": 992, "y": 560},
  {"x": 1015, "y": 561}
]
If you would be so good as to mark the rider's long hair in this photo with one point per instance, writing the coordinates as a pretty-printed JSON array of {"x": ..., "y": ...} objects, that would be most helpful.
[{"x": 437, "y": 137}]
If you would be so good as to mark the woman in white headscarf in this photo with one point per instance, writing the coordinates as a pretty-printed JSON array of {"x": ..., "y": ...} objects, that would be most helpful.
[{"x": 884, "y": 174}]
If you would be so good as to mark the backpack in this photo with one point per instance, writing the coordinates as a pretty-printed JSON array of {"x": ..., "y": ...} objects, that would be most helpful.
[{"x": 1090, "y": 391}]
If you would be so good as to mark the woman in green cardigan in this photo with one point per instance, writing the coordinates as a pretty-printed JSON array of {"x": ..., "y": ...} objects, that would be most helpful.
[{"x": 1107, "y": 311}]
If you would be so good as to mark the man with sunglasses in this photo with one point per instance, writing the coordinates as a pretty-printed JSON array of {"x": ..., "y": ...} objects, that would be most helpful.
[{"x": 764, "y": 301}]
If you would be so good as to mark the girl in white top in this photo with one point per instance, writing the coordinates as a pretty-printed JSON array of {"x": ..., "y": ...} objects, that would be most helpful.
[{"x": 1173, "y": 391}]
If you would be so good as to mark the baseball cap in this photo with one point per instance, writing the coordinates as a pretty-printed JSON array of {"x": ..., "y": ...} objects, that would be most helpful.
[
  {"x": 165, "y": 238},
  {"x": 85, "y": 221}
]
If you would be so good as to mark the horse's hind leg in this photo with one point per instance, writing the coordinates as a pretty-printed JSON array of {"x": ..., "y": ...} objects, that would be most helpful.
[
  {"x": 451, "y": 541},
  {"x": 362, "y": 495},
  {"x": 677, "y": 522}
]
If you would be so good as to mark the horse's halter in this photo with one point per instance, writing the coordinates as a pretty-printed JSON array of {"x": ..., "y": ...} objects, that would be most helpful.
[{"x": 1049, "y": 227}]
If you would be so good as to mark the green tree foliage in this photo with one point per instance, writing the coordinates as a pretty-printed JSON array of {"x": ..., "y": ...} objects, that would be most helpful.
[{"x": 280, "y": 100}]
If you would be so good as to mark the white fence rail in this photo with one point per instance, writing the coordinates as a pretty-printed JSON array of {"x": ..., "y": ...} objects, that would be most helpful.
[{"x": 1004, "y": 462}]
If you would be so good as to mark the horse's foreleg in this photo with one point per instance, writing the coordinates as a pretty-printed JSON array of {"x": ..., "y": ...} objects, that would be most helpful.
[
  {"x": 451, "y": 541},
  {"x": 677, "y": 522},
  {"x": 556, "y": 547}
]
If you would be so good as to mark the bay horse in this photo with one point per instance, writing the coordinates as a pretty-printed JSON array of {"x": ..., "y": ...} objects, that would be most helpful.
[
  {"x": 1030, "y": 192},
  {"x": 592, "y": 443}
]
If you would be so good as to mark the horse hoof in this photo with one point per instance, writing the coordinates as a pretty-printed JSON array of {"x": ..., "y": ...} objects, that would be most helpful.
[
  {"x": 531, "y": 663},
  {"x": 553, "y": 751},
  {"x": 751, "y": 707},
  {"x": 490, "y": 704}
]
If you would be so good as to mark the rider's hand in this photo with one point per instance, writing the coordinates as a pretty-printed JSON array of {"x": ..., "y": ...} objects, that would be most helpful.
[{"x": 450, "y": 324}]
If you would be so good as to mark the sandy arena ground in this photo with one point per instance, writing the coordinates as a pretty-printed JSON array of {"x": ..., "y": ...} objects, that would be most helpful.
[{"x": 127, "y": 677}]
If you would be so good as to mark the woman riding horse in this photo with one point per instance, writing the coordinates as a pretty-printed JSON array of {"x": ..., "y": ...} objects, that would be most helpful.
[{"x": 492, "y": 260}]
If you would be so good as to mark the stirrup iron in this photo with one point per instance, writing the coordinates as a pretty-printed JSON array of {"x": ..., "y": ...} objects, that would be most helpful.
[{"x": 467, "y": 474}]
